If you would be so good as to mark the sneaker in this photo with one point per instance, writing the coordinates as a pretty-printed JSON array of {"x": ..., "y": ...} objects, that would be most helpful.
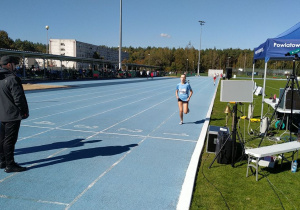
[
  {"x": 180, "y": 123},
  {"x": 2, "y": 165},
  {"x": 14, "y": 168}
]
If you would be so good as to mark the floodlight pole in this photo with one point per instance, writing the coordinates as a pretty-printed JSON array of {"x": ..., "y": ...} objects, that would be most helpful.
[
  {"x": 47, "y": 28},
  {"x": 47, "y": 51},
  {"x": 120, "y": 47},
  {"x": 201, "y": 24}
]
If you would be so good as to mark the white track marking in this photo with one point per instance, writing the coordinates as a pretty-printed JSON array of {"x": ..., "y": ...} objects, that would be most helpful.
[
  {"x": 130, "y": 130},
  {"x": 38, "y": 201},
  {"x": 87, "y": 99},
  {"x": 44, "y": 123},
  {"x": 86, "y": 126},
  {"x": 154, "y": 137},
  {"x": 11, "y": 175},
  {"x": 112, "y": 166},
  {"x": 86, "y": 106},
  {"x": 97, "y": 179},
  {"x": 50, "y": 129},
  {"x": 93, "y": 183},
  {"x": 176, "y": 134},
  {"x": 90, "y": 98}
]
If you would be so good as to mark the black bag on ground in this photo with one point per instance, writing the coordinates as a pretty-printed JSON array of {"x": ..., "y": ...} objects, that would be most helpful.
[{"x": 225, "y": 155}]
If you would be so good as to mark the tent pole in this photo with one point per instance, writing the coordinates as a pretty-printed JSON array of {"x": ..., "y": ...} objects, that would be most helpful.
[
  {"x": 253, "y": 71},
  {"x": 263, "y": 92}
]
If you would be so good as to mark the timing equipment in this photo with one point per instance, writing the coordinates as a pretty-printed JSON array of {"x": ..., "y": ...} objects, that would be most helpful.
[
  {"x": 286, "y": 102},
  {"x": 238, "y": 91},
  {"x": 289, "y": 97}
]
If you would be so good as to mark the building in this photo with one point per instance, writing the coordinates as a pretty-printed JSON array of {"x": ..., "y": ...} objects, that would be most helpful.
[{"x": 71, "y": 47}]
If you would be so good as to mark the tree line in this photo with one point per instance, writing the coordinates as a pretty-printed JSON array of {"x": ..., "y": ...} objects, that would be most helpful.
[
  {"x": 169, "y": 59},
  {"x": 186, "y": 59},
  {"x": 8, "y": 43}
]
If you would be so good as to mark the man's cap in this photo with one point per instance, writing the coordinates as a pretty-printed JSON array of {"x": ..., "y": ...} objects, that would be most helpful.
[{"x": 8, "y": 59}]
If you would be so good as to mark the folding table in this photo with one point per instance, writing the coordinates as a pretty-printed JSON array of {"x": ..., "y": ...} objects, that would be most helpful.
[{"x": 261, "y": 152}]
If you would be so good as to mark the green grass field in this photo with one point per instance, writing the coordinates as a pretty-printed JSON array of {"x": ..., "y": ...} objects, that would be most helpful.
[{"x": 226, "y": 187}]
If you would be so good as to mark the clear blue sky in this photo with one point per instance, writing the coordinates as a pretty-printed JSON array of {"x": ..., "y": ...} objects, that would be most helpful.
[{"x": 240, "y": 24}]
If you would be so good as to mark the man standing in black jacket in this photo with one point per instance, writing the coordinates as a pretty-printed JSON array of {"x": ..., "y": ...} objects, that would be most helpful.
[{"x": 13, "y": 108}]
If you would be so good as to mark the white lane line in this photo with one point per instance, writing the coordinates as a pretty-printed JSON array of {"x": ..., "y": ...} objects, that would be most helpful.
[
  {"x": 84, "y": 131},
  {"x": 108, "y": 133},
  {"x": 84, "y": 140},
  {"x": 149, "y": 136},
  {"x": 38, "y": 201},
  {"x": 90, "y": 98},
  {"x": 44, "y": 123},
  {"x": 92, "y": 90},
  {"x": 69, "y": 205},
  {"x": 99, "y": 114},
  {"x": 96, "y": 115},
  {"x": 57, "y": 128},
  {"x": 52, "y": 202},
  {"x": 112, "y": 166},
  {"x": 96, "y": 90},
  {"x": 56, "y": 153},
  {"x": 99, "y": 177},
  {"x": 137, "y": 114},
  {"x": 94, "y": 104},
  {"x": 104, "y": 129},
  {"x": 70, "y": 110},
  {"x": 74, "y": 121},
  {"x": 50, "y": 129},
  {"x": 130, "y": 130},
  {"x": 80, "y": 100},
  {"x": 176, "y": 134},
  {"x": 86, "y": 126},
  {"x": 11, "y": 175}
]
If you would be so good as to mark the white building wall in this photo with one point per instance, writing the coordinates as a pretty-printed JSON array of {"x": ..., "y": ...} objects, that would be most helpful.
[
  {"x": 66, "y": 47},
  {"x": 71, "y": 47}
]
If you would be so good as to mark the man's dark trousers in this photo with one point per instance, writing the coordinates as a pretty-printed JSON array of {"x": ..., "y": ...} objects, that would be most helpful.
[{"x": 8, "y": 138}]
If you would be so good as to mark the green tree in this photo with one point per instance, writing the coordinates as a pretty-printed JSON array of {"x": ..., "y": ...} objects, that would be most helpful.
[
  {"x": 5, "y": 41},
  {"x": 96, "y": 55},
  {"x": 24, "y": 45}
]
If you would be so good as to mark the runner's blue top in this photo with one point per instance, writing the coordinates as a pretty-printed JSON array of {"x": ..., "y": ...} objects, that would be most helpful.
[{"x": 183, "y": 91}]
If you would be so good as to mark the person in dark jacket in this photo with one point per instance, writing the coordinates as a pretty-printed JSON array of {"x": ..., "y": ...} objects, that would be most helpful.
[{"x": 13, "y": 108}]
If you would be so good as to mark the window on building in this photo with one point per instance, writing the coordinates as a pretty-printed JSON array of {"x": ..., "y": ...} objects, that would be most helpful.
[
  {"x": 62, "y": 49},
  {"x": 62, "y": 44}
]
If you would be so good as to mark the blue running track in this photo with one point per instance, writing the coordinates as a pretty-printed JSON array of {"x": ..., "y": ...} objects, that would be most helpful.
[{"x": 107, "y": 144}]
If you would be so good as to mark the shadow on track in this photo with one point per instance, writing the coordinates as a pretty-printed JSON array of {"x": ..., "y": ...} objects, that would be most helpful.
[
  {"x": 197, "y": 122},
  {"x": 81, "y": 154},
  {"x": 56, "y": 145}
]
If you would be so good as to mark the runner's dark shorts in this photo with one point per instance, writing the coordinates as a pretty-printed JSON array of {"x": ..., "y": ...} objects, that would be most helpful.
[{"x": 182, "y": 101}]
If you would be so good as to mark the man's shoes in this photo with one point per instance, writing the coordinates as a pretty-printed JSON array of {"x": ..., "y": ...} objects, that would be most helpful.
[
  {"x": 14, "y": 168},
  {"x": 2, "y": 165}
]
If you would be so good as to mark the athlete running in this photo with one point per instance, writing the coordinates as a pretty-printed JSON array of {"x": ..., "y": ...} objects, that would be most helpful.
[{"x": 184, "y": 93}]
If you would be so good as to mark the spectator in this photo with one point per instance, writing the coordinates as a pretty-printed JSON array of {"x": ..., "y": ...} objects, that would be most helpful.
[{"x": 13, "y": 108}]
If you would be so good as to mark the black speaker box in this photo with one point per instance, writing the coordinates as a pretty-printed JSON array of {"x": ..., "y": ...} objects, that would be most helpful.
[
  {"x": 212, "y": 136},
  {"x": 228, "y": 73},
  {"x": 224, "y": 155},
  {"x": 296, "y": 100}
]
